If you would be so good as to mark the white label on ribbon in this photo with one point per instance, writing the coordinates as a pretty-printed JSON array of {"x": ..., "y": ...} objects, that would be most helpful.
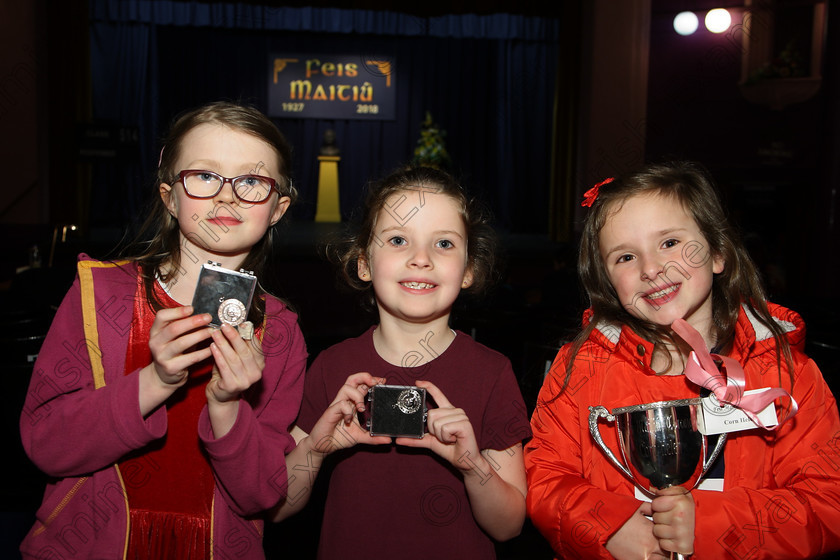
[{"x": 717, "y": 419}]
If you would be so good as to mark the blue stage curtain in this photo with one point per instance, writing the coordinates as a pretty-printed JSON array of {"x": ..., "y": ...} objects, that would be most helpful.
[{"x": 487, "y": 80}]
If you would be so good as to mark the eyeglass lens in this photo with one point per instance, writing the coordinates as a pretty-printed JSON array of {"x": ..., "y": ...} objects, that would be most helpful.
[{"x": 250, "y": 188}]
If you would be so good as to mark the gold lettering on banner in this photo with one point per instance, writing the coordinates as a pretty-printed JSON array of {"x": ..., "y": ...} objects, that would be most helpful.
[
  {"x": 300, "y": 89},
  {"x": 304, "y": 91},
  {"x": 330, "y": 80},
  {"x": 331, "y": 69}
]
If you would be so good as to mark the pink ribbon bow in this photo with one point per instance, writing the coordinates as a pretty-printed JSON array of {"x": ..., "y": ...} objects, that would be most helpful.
[{"x": 726, "y": 383}]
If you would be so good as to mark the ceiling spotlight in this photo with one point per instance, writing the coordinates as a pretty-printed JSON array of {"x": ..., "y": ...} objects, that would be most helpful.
[
  {"x": 718, "y": 20},
  {"x": 685, "y": 23}
]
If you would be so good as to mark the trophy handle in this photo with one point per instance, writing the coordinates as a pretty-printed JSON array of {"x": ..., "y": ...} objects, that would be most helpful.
[{"x": 596, "y": 412}]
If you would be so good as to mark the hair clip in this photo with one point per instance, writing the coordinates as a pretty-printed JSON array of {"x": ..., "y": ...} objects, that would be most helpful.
[{"x": 590, "y": 195}]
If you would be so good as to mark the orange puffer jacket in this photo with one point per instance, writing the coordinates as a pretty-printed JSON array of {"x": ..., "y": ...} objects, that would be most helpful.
[{"x": 781, "y": 495}]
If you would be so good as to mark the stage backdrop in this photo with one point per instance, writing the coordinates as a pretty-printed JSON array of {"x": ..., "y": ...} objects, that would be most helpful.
[{"x": 488, "y": 81}]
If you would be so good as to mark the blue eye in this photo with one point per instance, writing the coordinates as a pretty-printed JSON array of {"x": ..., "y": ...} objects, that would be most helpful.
[
  {"x": 252, "y": 188},
  {"x": 397, "y": 241},
  {"x": 445, "y": 244}
]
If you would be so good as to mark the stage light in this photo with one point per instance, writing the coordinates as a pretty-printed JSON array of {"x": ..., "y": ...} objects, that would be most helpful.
[
  {"x": 685, "y": 23},
  {"x": 718, "y": 20}
]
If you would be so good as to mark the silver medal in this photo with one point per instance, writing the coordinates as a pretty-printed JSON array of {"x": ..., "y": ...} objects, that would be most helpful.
[
  {"x": 232, "y": 312},
  {"x": 409, "y": 401}
]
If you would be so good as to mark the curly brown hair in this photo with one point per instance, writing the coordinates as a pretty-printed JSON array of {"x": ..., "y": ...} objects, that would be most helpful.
[{"x": 482, "y": 242}]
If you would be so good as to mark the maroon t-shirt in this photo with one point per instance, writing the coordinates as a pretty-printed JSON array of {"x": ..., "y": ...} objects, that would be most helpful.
[{"x": 393, "y": 501}]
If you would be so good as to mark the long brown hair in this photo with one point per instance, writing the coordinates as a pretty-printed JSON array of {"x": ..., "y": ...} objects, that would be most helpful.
[
  {"x": 738, "y": 284},
  {"x": 158, "y": 240}
]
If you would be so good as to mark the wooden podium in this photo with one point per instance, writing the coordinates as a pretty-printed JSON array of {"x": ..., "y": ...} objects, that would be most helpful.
[{"x": 328, "y": 209}]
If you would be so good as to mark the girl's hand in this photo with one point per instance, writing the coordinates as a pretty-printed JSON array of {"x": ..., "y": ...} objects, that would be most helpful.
[
  {"x": 239, "y": 364},
  {"x": 450, "y": 432},
  {"x": 634, "y": 540},
  {"x": 673, "y": 520},
  {"x": 339, "y": 428},
  {"x": 173, "y": 334},
  {"x": 172, "y": 338}
]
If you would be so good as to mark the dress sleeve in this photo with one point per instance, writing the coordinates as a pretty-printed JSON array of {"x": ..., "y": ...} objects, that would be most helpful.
[
  {"x": 796, "y": 513},
  {"x": 316, "y": 396},
  {"x": 576, "y": 517},
  {"x": 68, "y": 427},
  {"x": 249, "y": 462}
]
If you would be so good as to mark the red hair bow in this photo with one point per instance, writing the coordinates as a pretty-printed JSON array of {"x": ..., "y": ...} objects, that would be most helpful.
[{"x": 590, "y": 195}]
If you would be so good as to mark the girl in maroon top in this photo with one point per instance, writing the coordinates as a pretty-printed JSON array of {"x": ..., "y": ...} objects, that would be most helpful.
[{"x": 461, "y": 486}]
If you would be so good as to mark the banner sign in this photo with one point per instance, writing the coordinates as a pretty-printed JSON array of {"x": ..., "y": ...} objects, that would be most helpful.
[{"x": 324, "y": 86}]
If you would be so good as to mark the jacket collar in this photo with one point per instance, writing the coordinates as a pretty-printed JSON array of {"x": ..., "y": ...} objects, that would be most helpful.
[{"x": 751, "y": 336}]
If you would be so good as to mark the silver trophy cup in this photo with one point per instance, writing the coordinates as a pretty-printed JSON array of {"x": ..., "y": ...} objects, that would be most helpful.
[{"x": 660, "y": 444}]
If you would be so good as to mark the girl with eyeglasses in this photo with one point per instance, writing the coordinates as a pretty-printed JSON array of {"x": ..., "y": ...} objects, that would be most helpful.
[{"x": 164, "y": 437}]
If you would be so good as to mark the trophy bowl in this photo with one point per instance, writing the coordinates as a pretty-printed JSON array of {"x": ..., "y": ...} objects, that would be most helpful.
[{"x": 660, "y": 443}]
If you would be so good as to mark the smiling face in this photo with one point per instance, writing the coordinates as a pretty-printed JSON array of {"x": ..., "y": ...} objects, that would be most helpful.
[
  {"x": 658, "y": 261},
  {"x": 221, "y": 228},
  {"x": 417, "y": 261}
]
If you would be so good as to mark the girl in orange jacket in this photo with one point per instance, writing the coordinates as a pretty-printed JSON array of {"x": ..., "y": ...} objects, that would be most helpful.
[{"x": 657, "y": 251}]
